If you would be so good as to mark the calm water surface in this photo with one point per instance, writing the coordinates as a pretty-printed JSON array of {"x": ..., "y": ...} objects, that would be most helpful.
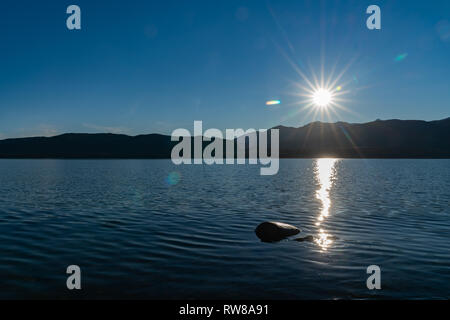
[{"x": 150, "y": 229}]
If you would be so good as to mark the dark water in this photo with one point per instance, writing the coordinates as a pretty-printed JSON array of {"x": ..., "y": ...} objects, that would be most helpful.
[{"x": 149, "y": 229}]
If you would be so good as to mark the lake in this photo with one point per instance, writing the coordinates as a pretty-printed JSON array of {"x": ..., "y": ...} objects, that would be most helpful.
[{"x": 150, "y": 229}]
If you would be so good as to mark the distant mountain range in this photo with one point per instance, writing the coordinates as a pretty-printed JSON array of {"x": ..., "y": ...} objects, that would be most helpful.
[{"x": 377, "y": 139}]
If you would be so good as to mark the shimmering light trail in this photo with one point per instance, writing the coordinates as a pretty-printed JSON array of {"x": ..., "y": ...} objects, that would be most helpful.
[{"x": 325, "y": 173}]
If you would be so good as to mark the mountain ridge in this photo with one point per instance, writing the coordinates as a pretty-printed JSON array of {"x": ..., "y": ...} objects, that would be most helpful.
[{"x": 391, "y": 138}]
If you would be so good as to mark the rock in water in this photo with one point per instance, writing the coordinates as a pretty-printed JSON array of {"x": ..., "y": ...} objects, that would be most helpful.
[{"x": 270, "y": 231}]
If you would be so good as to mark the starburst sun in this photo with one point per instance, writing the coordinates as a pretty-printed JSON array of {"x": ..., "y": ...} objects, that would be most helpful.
[{"x": 322, "y": 98}]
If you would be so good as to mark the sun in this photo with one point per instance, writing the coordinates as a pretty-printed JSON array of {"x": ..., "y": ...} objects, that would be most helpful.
[{"x": 322, "y": 97}]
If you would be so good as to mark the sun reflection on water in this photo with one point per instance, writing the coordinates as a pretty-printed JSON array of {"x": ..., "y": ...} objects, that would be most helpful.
[{"x": 325, "y": 172}]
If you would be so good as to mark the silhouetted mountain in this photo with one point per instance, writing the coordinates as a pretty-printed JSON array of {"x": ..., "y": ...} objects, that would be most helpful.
[
  {"x": 377, "y": 139},
  {"x": 83, "y": 145}
]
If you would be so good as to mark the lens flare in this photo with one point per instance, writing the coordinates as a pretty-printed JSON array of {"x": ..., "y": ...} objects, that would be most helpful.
[
  {"x": 272, "y": 102},
  {"x": 401, "y": 57},
  {"x": 173, "y": 178}
]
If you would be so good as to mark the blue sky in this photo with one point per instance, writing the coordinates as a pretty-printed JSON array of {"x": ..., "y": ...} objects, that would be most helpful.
[{"x": 154, "y": 66}]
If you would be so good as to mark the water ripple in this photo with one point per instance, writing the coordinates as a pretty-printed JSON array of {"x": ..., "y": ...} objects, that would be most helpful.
[{"x": 137, "y": 236}]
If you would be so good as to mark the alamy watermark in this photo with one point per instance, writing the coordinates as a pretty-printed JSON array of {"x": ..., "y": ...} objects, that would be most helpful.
[
  {"x": 374, "y": 20},
  {"x": 213, "y": 153},
  {"x": 374, "y": 281},
  {"x": 74, "y": 280},
  {"x": 73, "y": 22}
]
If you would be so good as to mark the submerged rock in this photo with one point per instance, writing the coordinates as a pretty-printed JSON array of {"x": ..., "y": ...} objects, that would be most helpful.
[
  {"x": 311, "y": 238},
  {"x": 271, "y": 231},
  {"x": 307, "y": 238}
]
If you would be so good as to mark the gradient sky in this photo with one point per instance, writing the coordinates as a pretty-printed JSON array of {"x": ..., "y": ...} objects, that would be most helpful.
[{"x": 154, "y": 66}]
